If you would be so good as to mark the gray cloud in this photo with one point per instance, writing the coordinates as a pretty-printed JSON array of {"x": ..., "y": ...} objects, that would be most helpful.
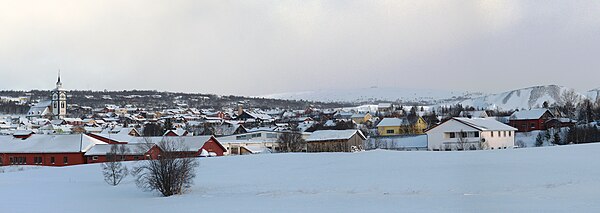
[{"x": 261, "y": 47}]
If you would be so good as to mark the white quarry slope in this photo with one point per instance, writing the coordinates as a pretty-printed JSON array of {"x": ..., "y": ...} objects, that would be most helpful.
[
  {"x": 527, "y": 98},
  {"x": 593, "y": 95},
  {"x": 548, "y": 179},
  {"x": 355, "y": 95}
]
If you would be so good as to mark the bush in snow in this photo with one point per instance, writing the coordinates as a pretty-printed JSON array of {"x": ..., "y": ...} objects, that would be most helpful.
[
  {"x": 113, "y": 170},
  {"x": 171, "y": 173},
  {"x": 521, "y": 144},
  {"x": 539, "y": 140}
]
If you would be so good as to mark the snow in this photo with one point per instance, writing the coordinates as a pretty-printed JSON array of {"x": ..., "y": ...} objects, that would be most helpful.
[
  {"x": 48, "y": 144},
  {"x": 401, "y": 142},
  {"x": 326, "y": 135},
  {"x": 532, "y": 114},
  {"x": 547, "y": 179},
  {"x": 391, "y": 122},
  {"x": 132, "y": 149},
  {"x": 485, "y": 124},
  {"x": 526, "y": 98},
  {"x": 355, "y": 95}
]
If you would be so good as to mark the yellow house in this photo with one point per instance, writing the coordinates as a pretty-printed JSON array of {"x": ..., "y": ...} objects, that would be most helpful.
[
  {"x": 361, "y": 118},
  {"x": 401, "y": 126}
]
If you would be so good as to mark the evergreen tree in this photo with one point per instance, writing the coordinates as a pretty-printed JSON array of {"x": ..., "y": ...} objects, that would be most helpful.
[
  {"x": 539, "y": 140},
  {"x": 557, "y": 139}
]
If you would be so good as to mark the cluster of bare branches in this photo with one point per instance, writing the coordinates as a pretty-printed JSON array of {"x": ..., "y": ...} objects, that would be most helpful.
[
  {"x": 113, "y": 170},
  {"x": 291, "y": 142},
  {"x": 172, "y": 173}
]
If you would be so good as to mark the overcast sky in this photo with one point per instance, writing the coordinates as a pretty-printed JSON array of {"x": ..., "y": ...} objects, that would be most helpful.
[{"x": 255, "y": 47}]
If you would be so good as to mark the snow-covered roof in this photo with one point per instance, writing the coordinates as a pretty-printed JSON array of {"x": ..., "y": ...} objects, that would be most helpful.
[
  {"x": 254, "y": 149},
  {"x": 528, "y": 114},
  {"x": 178, "y": 132},
  {"x": 391, "y": 122},
  {"x": 22, "y": 132},
  {"x": 485, "y": 124},
  {"x": 190, "y": 143},
  {"x": 48, "y": 144},
  {"x": 131, "y": 149},
  {"x": 327, "y": 135}
]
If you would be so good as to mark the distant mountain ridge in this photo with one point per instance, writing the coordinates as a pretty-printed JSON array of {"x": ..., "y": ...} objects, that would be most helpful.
[
  {"x": 525, "y": 98},
  {"x": 372, "y": 94}
]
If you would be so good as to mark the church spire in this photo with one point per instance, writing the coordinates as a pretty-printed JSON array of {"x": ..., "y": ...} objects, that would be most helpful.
[{"x": 58, "y": 83}]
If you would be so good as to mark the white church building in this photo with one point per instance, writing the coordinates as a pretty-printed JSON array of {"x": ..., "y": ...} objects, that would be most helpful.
[
  {"x": 55, "y": 108},
  {"x": 471, "y": 133}
]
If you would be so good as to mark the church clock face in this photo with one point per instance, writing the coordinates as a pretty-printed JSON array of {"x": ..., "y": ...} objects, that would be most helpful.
[
  {"x": 54, "y": 97},
  {"x": 62, "y": 96}
]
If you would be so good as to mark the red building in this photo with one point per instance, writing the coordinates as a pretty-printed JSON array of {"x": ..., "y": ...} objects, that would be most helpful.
[
  {"x": 64, "y": 150},
  {"x": 45, "y": 150},
  {"x": 530, "y": 120}
]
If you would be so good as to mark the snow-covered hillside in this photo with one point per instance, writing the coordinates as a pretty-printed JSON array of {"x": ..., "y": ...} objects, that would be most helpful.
[
  {"x": 369, "y": 94},
  {"x": 526, "y": 98},
  {"x": 593, "y": 94},
  {"x": 548, "y": 179}
]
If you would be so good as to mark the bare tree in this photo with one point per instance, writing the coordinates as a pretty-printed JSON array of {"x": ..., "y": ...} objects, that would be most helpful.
[
  {"x": 171, "y": 173},
  {"x": 569, "y": 99},
  {"x": 461, "y": 140},
  {"x": 291, "y": 142},
  {"x": 113, "y": 170}
]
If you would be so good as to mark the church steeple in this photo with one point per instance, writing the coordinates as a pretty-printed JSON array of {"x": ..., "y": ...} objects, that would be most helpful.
[
  {"x": 58, "y": 83},
  {"x": 59, "y": 100}
]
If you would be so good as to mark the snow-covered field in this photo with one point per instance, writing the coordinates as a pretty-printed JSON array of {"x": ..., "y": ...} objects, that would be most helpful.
[{"x": 547, "y": 179}]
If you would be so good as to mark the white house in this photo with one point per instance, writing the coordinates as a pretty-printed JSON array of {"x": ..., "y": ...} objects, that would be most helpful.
[{"x": 471, "y": 133}]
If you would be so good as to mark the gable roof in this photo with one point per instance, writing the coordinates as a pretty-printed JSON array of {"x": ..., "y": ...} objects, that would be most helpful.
[
  {"x": 48, "y": 144},
  {"x": 328, "y": 135},
  {"x": 189, "y": 143},
  {"x": 132, "y": 149},
  {"x": 531, "y": 114},
  {"x": 484, "y": 124},
  {"x": 388, "y": 122}
]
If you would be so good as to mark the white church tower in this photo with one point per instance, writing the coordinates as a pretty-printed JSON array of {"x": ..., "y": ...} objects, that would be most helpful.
[{"x": 59, "y": 100}]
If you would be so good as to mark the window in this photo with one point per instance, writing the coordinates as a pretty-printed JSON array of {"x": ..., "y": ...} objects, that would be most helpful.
[
  {"x": 136, "y": 158},
  {"x": 504, "y": 133},
  {"x": 492, "y": 134},
  {"x": 52, "y": 160},
  {"x": 463, "y": 134},
  {"x": 533, "y": 125},
  {"x": 390, "y": 131},
  {"x": 62, "y": 104},
  {"x": 95, "y": 158},
  {"x": 452, "y": 135},
  {"x": 509, "y": 133},
  {"x": 499, "y": 134},
  {"x": 1, "y": 163},
  {"x": 37, "y": 160},
  {"x": 65, "y": 160},
  {"x": 18, "y": 160},
  {"x": 476, "y": 134}
]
